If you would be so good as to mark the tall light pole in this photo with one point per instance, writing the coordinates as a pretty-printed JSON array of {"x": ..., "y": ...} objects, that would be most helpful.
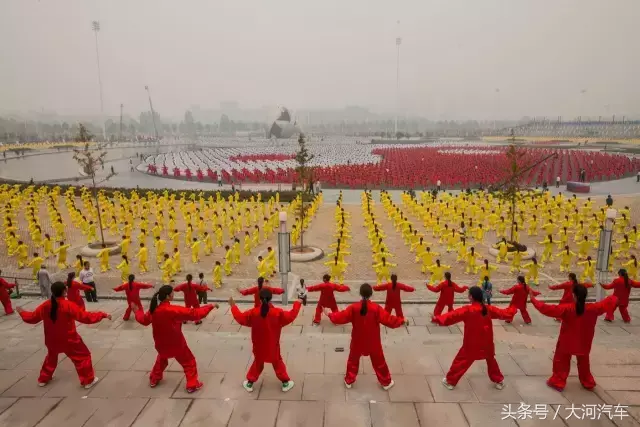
[
  {"x": 120, "y": 132},
  {"x": 153, "y": 115},
  {"x": 95, "y": 26},
  {"x": 398, "y": 43}
]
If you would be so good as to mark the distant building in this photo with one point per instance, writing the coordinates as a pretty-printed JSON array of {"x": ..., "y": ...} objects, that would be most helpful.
[{"x": 284, "y": 126}]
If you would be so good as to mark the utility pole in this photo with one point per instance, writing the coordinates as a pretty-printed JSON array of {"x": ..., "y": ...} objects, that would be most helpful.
[
  {"x": 95, "y": 26},
  {"x": 153, "y": 115},
  {"x": 120, "y": 132},
  {"x": 398, "y": 43}
]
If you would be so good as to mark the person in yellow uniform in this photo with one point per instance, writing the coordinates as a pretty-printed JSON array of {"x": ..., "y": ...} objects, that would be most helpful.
[
  {"x": 589, "y": 270},
  {"x": 208, "y": 244},
  {"x": 61, "y": 251},
  {"x": 48, "y": 246},
  {"x": 437, "y": 272},
  {"x": 143, "y": 256},
  {"x": 533, "y": 269},
  {"x": 516, "y": 261},
  {"x": 262, "y": 268},
  {"x": 124, "y": 268},
  {"x": 175, "y": 238},
  {"x": 91, "y": 232},
  {"x": 336, "y": 269},
  {"x": 471, "y": 257},
  {"x": 485, "y": 270},
  {"x": 124, "y": 247},
  {"x": 78, "y": 265},
  {"x": 160, "y": 245},
  {"x": 175, "y": 259},
  {"x": 219, "y": 236},
  {"x": 247, "y": 243},
  {"x": 235, "y": 249},
  {"x": 195, "y": 250},
  {"x": 271, "y": 261},
  {"x": 427, "y": 259},
  {"x": 35, "y": 264},
  {"x": 167, "y": 269},
  {"x": 584, "y": 247},
  {"x": 217, "y": 275},
  {"x": 503, "y": 250},
  {"x": 228, "y": 258},
  {"x": 103, "y": 255},
  {"x": 625, "y": 245},
  {"x": 547, "y": 254},
  {"x": 23, "y": 254},
  {"x": 632, "y": 267},
  {"x": 566, "y": 256}
]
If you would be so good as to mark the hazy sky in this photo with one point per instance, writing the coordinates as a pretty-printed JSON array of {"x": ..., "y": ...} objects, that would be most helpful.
[{"x": 540, "y": 54}]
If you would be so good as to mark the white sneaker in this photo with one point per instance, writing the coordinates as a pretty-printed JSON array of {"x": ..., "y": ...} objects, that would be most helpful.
[
  {"x": 247, "y": 386},
  {"x": 447, "y": 385},
  {"x": 42, "y": 384},
  {"x": 500, "y": 385},
  {"x": 347, "y": 385},
  {"x": 287, "y": 386},
  {"x": 387, "y": 387},
  {"x": 94, "y": 382}
]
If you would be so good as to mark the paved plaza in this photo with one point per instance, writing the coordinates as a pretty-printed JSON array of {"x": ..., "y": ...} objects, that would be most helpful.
[{"x": 418, "y": 356}]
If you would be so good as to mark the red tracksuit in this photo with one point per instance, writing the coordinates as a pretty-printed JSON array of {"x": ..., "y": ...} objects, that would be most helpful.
[
  {"x": 519, "y": 299},
  {"x": 576, "y": 336},
  {"x": 191, "y": 293},
  {"x": 166, "y": 322},
  {"x": 567, "y": 288},
  {"x": 327, "y": 298},
  {"x": 255, "y": 291},
  {"x": 133, "y": 295},
  {"x": 477, "y": 343},
  {"x": 365, "y": 338},
  {"x": 61, "y": 337},
  {"x": 622, "y": 293},
  {"x": 447, "y": 293},
  {"x": 393, "y": 301},
  {"x": 4, "y": 295},
  {"x": 73, "y": 293},
  {"x": 265, "y": 336}
]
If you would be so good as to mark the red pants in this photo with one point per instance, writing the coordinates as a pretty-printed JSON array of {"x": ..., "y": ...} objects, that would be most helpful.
[
  {"x": 397, "y": 308},
  {"x": 319, "y": 308},
  {"x": 258, "y": 365},
  {"x": 185, "y": 358},
  {"x": 78, "y": 353},
  {"x": 525, "y": 315},
  {"x": 440, "y": 305},
  {"x": 623, "y": 312},
  {"x": 378, "y": 363},
  {"x": 461, "y": 363},
  {"x": 562, "y": 366},
  {"x": 6, "y": 303},
  {"x": 127, "y": 312}
]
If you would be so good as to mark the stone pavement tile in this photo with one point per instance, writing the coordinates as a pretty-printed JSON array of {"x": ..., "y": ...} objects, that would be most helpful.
[
  {"x": 394, "y": 362},
  {"x": 574, "y": 417},
  {"x": 367, "y": 388},
  {"x": 446, "y": 358},
  {"x": 539, "y": 420},
  {"x": 462, "y": 393},
  {"x": 507, "y": 365},
  {"x": 433, "y": 330},
  {"x": 619, "y": 383},
  {"x": 418, "y": 331},
  {"x": 410, "y": 388},
  {"x": 300, "y": 414},
  {"x": 292, "y": 330},
  {"x": 575, "y": 393},
  {"x": 165, "y": 389},
  {"x": 65, "y": 364},
  {"x": 230, "y": 361},
  {"x": 615, "y": 371},
  {"x": 6, "y": 402},
  {"x": 324, "y": 387},
  {"x": 532, "y": 362},
  {"x": 254, "y": 412},
  {"x": 385, "y": 414},
  {"x": 210, "y": 390},
  {"x": 634, "y": 411},
  {"x": 27, "y": 412},
  {"x": 535, "y": 390},
  {"x": 67, "y": 384},
  {"x": 71, "y": 412},
  {"x": 336, "y": 363},
  {"x": 118, "y": 359},
  {"x": 229, "y": 328},
  {"x": 305, "y": 362},
  {"x": 486, "y": 391},
  {"x": 625, "y": 397},
  {"x": 34, "y": 362},
  {"x": 208, "y": 413},
  {"x": 27, "y": 386},
  {"x": 635, "y": 330},
  {"x": 116, "y": 412},
  {"x": 353, "y": 414},
  {"x": 146, "y": 361},
  {"x": 203, "y": 357},
  {"x": 421, "y": 321},
  {"x": 610, "y": 400},
  {"x": 440, "y": 414},
  {"x": 9, "y": 377},
  {"x": 162, "y": 412},
  {"x": 272, "y": 389},
  {"x": 485, "y": 415},
  {"x": 613, "y": 330},
  {"x": 421, "y": 363},
  {"x": 13, "y": 356},
  {"x": 117, "y": 384}
]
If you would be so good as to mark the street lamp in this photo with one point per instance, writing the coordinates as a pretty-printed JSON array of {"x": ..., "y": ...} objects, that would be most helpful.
[
  {"x": 604, "y": 250},
  {"x": 284, "y": 256},
  {"x": 153, "y": 115},
  {"x": 398, "y": 43},
  {"x": 95, "y": 26}
]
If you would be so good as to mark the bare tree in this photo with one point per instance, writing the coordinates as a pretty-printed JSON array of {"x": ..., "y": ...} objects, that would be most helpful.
[
  {"x": 303, "y": 157},
  {"x": 90, "y": 160}
]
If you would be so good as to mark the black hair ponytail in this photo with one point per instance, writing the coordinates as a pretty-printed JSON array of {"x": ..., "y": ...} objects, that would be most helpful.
[
  {"x": 260, "y": 282},
  {"x": 70, "y": 277},
  {"x": 365, "y": 292},
  {"x": 57, "y": 290},
  {"x": 524, "y": 282},
  {"x": 265, "y": 298},
  {"x": 447, "y": 276},
  {"x": 394, "y": 281},
  {"x": 160, "y": 296},
  {"x": 131, "y": 279},
  {"x": 625, "y": 276},
  {"x": 477, "y": 296},
  {"x": 580, "y": 293}
]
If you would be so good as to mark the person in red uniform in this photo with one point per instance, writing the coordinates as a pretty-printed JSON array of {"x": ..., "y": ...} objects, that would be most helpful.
[
  {"x": 576, "y": 335},
  {"x": 621, "y": 286},
  {"x": 59, "y": 317},
  {"x": 327, "y": 298},
  {"x": 477, "y": 342},
  {"x": 520, "y": 292},
  {"x": 166, "y": 321},
  {"x": 266, "y": 323},
  {"x": 393, "y": 288},
  {"x": 73, "y": 290},
  {"x": 447, "y": 290},
  {"x": 255, "y": 291},
  {"x": 132, "y": 291},
  {"x": 567, "y": 289},
  {"x": 5, "y": 288},
  {"x": 191, "y": 293},
  {"x": 366, "y": 317}
]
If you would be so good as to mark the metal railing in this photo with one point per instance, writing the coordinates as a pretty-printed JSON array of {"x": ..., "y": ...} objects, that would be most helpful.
[{"x": 18, "y": 281}]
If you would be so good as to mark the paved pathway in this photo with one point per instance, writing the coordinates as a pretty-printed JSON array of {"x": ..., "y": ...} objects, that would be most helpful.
[{"x": 418, "y": 356}]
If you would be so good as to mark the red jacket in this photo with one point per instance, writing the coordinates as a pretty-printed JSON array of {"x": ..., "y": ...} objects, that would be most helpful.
[
  {"x": 190, "y": 292},
  {"x": 4, "y": 288},
  {"x": 327, "y": 298},
  {"x": 393, "y": 295},
  {"x": 520, "y": 295},
  {"x": 576, "y": 332},
  {"x": 265, "y": 331},
  {"x": 447, "y": 292},
  {"x": 365, "y": 335},
  {"x": 567, "y": 287},
  {"x": 73, "y": 292},
  {"x": 477, "y": 342},
  {"x": 166, "y": 322},
  {"x": 621, "y": 291},
  {"x": 255, "y": 291},
  {"x": 133, "y": 291},
  {"x": 60, "y": 334}
]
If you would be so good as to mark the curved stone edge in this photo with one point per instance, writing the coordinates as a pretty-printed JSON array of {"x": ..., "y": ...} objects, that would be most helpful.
[
  {"x": 530, "y": 253},
  {"x": 307, "y": 257},
  {"x": 86, "y": 251}
]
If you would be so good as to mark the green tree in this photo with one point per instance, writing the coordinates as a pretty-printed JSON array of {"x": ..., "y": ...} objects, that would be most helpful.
[
  {"x": 83, "y": 134},
  {"x": 303, "y": 157}
]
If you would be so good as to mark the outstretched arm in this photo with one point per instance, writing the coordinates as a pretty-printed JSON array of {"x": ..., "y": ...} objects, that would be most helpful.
[
  {"x": 289, "y": 316},
  {"x": 452, "y": 317},
  {"x": 31, "y": 317},
  {"x": 243, "y": 318},
  {"x": 87, "y": 317},
  {"x": 509, "y": 291},
  {"x": 609, "y": 286},
  {"x": 459, "y": 289},
  {"x": 341, "y": 317},
  {"x": 141, "y": 317},
  {"x": 406, "y": 288},
  {"x": 389, "y": 320},
  {"x": 249, "y": 291},
  {"x": 559, "y": 286},
  {"x": 549, "y": 310},
  {"x": 502, "y": 313},
  {"x": 191, "y": 314}
]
